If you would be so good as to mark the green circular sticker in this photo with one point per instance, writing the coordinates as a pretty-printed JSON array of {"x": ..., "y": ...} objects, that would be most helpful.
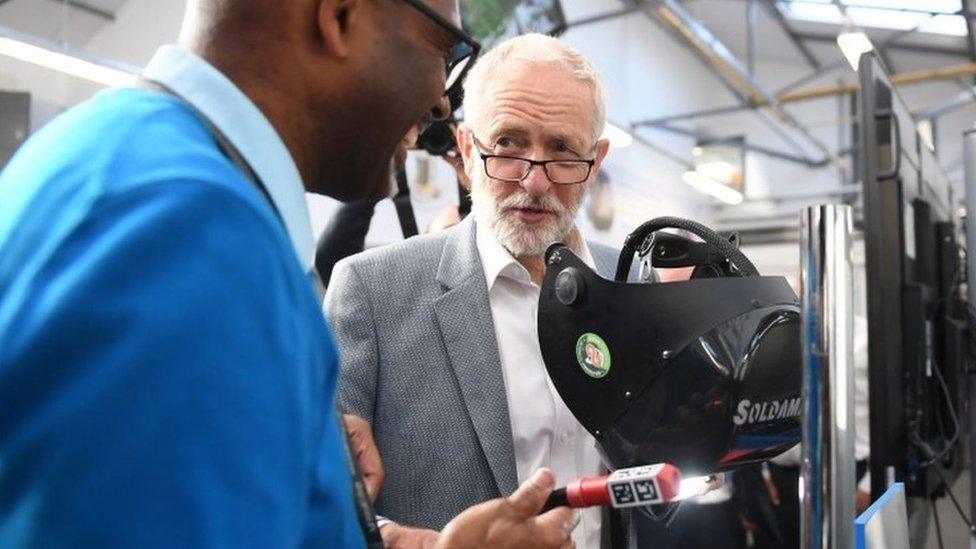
[{"x": 593, "y": 355}]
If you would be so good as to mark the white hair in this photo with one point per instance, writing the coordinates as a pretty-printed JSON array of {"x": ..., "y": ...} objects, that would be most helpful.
[{"x": 532, "y": 48}]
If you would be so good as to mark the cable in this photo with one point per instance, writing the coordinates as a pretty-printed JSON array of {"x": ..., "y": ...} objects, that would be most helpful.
[
  {"x": 955, "y": 503},
  {"x": 916, "y": 436},
  {"x": 931, "y": 456},
  {"x": 947, "y": 297},
  {"x": 952, "y": 415},
  {"x": 938, "y": 527}
]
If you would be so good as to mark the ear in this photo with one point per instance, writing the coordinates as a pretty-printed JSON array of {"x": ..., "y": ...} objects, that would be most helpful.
[
  {"x": 465, "y": 146},
  {"x": 602, "y": 148},
  {"x": 336, "y": 19}
]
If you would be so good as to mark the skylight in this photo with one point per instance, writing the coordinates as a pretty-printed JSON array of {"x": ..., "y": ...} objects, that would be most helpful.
[{"x": 936, "y": 17}]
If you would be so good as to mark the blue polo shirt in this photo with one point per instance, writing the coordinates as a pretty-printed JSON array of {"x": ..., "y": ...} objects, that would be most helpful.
[{"x": 166, "y": 375}]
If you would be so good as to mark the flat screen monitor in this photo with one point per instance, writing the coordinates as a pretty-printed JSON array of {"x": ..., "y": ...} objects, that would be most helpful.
[{"x": 916, "y": 327}]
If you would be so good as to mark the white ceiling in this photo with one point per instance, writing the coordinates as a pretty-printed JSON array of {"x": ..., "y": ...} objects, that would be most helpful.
[
  {"x": 727, "y": 20},
  {"x": 57, "y": 20},
  {"x": 106, "y": 5}
]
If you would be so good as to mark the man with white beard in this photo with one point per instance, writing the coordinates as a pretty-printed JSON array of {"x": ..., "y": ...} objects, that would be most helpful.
[{"x": 438, "y": 333}]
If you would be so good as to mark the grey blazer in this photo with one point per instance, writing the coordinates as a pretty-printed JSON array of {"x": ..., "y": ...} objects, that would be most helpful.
[{"x": 420, "y": 362}]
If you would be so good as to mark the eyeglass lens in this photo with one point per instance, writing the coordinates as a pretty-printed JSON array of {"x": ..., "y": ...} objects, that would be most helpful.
[{"x": 516, "y": 169}]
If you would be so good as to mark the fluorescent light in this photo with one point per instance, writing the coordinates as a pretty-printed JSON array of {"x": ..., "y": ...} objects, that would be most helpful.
[
  {"x": 953, "y": 25},
  {"x": 818, "y": 12},
  {"x": 618, "y": 137},
  {"x": 886, "y": 18},
  {"x": 935, "y": 6},
  {"x": 853, "y": 44},
  {"x": 711, "y": 187},
  {"x": 925, "y": 132},
  {"x": 884, "y": 14},
  {"x": 719, "y": 170},
  {"x": 63, "y": 62}
]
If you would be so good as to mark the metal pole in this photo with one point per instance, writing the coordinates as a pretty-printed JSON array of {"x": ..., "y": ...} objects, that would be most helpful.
[
  {"x": 692, "y": 114},
  {"x": 88, "y": 8},
  {"x": 602, "y": 17},
  {"x": 827, "y": 467},
  {"x": 969, "y": 158},
  {"x": 703, "y": 136},
  {"x": 720, "y": 61},
  {"x": 841, "y": 129},
  {"x": 953, "y": 103},
  {"x": 790, "y": 33},
  {"x": 751, "y": 37}
]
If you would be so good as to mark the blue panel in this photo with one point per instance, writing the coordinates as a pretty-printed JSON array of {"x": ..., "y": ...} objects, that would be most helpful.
[{"x": 861, "y": 524}]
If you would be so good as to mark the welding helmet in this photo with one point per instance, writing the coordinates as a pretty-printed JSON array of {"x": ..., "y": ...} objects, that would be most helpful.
[{"x": 704, "y": 374}]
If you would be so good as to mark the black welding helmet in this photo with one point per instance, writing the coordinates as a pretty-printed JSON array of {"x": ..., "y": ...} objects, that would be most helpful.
[{"x": 704, "y": 374}]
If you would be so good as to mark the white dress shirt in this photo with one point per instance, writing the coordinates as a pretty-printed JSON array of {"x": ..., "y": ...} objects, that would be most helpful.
[{"x": 545, "y": 432}]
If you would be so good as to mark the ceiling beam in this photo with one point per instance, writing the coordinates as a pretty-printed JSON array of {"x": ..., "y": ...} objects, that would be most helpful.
[
  {"x": 87, "y": 8},
  {"x": 967, "y": 6},
  {"x": 917, "y": 48},
  {"x": 692, "y": 114},
  {"x": 751, "y": 36},
  {"x": 730, "y": 71},
  {"x": 603, "y": 17},
  {"x": 901, "y": 79},
  {"x": 956, "y": 102},
  {"x": 780, "y": 19},
  {"x": 894, "y": 38},
  {"x": 841, "y": 63},
  {"x": 849, "y": 26},
  {"x": 767, "y": 151}
]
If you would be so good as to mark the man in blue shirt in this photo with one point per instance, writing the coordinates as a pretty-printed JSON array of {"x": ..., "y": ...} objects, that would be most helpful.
[{"x": 166, "y": 376}]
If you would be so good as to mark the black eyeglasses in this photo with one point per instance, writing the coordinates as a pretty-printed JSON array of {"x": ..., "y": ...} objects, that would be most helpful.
[
  {"x": 514, "y": 169},
  {"x": 463, "y": 53}
]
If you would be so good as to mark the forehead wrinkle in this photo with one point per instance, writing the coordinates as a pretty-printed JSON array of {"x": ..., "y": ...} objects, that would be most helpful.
[
  {"x": 541, "y": 99},
  {"x": 502, "y": 123},
  {"x": 561, "y": 115}
]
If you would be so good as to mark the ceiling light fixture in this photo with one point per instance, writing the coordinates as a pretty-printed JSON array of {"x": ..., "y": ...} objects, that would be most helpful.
[
  {"x": 48, "y": 57},
  {"x": 719, "y": 170},
  {"x": 713, "y": 188},
  {"x": 853, "y": 44}
]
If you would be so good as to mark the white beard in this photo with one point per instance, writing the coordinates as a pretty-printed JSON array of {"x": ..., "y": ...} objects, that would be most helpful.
[{"x": 519, "y": 239}]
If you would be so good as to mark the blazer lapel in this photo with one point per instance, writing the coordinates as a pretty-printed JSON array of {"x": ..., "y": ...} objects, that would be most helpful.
[{"x": 464, "y": 316}]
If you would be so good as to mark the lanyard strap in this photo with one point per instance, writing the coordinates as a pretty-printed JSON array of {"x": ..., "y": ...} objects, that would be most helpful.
[
  {"x": 364, "y": 508},
  {"x": 230, "y": 151}
]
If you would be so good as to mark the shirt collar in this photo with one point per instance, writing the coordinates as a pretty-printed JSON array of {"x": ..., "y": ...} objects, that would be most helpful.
[
  {"x": 214, "y": 95},
  {"x": 498, "y": 262}
]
